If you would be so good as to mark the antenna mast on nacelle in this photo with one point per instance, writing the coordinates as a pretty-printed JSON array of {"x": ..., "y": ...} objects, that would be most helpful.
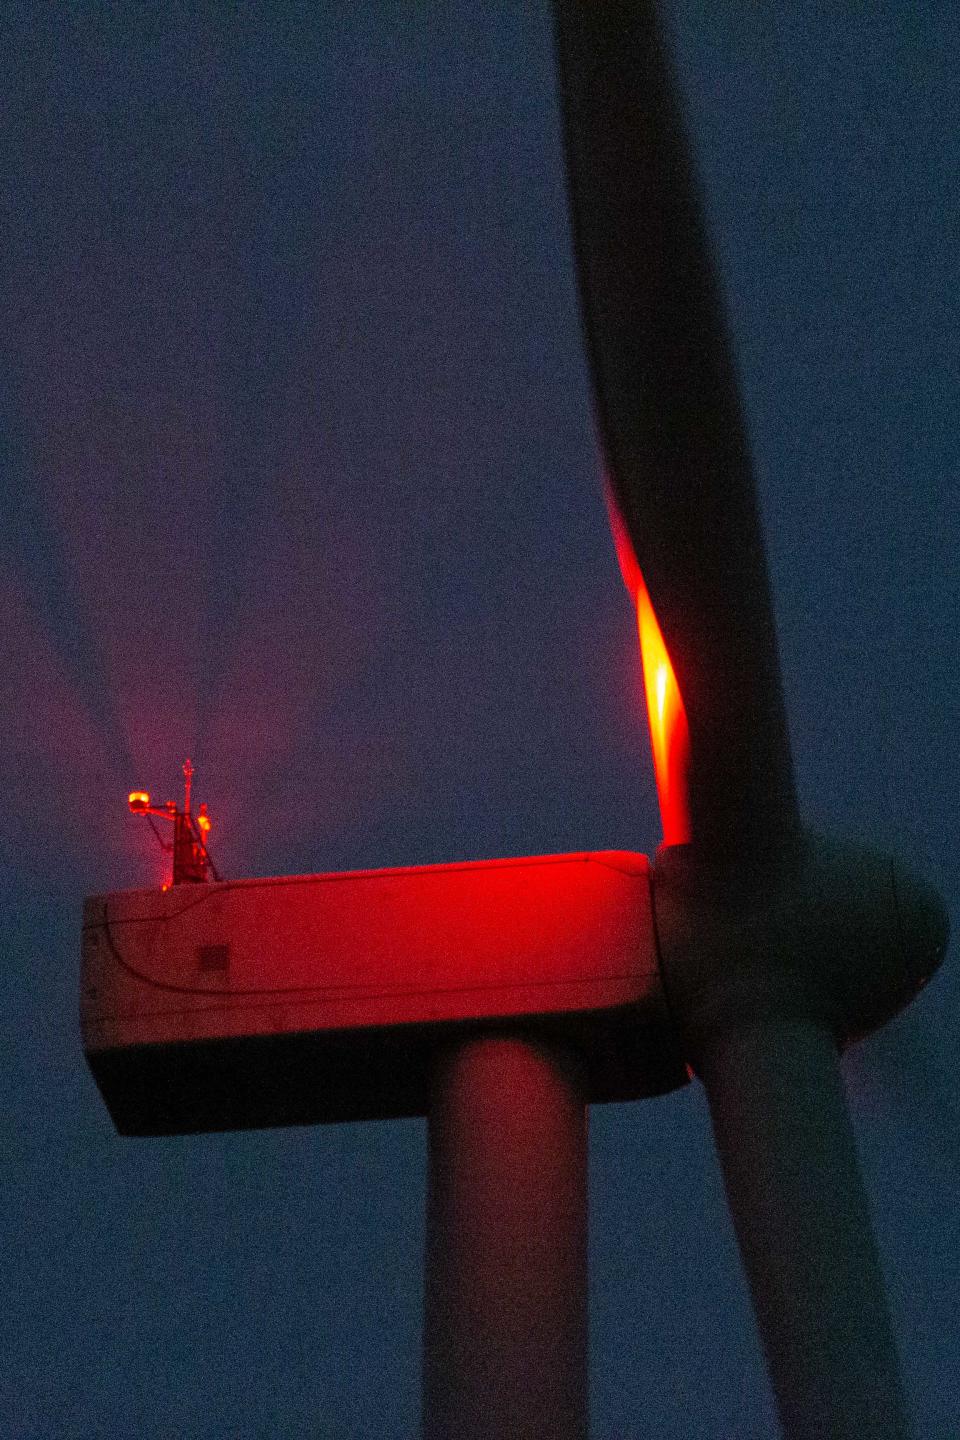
[{"x": 192, "y": 862}]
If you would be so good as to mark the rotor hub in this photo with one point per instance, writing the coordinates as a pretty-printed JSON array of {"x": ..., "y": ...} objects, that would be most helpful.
[{"x": 838, "y": 934}]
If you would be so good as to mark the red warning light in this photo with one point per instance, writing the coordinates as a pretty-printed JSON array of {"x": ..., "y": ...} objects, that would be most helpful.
[
  {"x": 139, "y": 801},
  {"x": 203, "y": 819}
]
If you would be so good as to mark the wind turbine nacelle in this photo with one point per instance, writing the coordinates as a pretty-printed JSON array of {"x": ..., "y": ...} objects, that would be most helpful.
[{"x": 319, "y": 998}]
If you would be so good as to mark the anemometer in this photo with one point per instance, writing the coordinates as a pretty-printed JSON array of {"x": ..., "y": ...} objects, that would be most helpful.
[{"x": 191, "y": 860}]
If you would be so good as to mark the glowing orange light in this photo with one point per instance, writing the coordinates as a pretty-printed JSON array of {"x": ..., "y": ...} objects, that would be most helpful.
[
  {"x": 669, "y": 734},
  {"x": 138, "y": 800},
  {"x": 203, "y": 819}
]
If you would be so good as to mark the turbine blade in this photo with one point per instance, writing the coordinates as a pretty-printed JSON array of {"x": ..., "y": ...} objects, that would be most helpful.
[
  {"x": 796, "y": 1196},
  {"x": 681, "y": 484}
]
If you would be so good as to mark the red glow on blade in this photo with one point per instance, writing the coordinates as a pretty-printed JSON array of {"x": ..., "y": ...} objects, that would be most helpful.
[
  {"x": 669, "y": 735},
  {"x": 629, "y": 568}
]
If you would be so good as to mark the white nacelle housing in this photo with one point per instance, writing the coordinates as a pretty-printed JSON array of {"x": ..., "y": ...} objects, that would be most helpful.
[{"x": 324, "y": 997}]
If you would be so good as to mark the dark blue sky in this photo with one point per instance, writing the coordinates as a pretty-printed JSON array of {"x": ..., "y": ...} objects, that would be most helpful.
[{"x": 299, "y": 477}]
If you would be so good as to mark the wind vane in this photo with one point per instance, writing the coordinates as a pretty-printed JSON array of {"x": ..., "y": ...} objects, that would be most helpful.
[{"x": 192, "y": 863}]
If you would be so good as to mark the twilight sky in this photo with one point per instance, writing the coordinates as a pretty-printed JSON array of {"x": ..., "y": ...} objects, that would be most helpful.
[{"x": 298, "y": 477}]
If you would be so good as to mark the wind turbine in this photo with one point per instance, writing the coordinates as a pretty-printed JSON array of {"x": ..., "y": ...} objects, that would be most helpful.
[
  {"x": 499, "y": 998},
  {"x": 777, "y": 946}
]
